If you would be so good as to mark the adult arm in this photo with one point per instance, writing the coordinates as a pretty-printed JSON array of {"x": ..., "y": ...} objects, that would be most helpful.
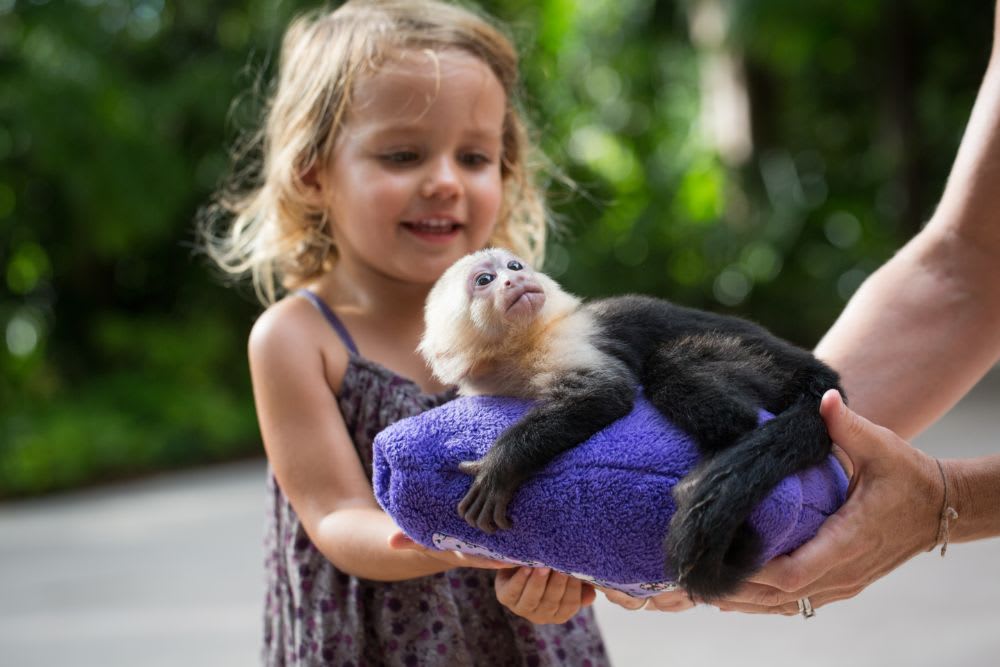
[
  {"x": 920, "y": 332},
  {"x": 925, "y": 327}
]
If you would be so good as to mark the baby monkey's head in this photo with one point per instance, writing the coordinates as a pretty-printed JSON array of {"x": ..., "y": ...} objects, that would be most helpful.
[{"x": 480, "y": 306}]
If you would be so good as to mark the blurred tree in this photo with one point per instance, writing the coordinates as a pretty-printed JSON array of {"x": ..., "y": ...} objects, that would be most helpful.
[
  {"x": 122, "y": 354},
  {"x": 758, "y": 156},
  {"x": 755, "y": 156}
]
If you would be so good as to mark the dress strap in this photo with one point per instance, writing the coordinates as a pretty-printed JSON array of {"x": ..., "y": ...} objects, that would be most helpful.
[{"x": 331, "y": 317}]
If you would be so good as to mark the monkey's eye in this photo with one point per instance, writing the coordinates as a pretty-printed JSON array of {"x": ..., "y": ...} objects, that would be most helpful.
[
  {"x": 484, "y": 279},
  {"x": 514, "y": 265}
]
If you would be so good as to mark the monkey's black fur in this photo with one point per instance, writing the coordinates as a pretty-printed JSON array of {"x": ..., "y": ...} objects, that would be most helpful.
[{"x": 709, "y": 375}]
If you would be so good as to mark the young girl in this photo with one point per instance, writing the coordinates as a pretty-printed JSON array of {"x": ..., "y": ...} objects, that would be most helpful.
[{"x": 392, "y": 147}]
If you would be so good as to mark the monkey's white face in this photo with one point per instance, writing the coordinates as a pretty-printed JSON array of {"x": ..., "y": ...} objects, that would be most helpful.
[
  {"x": 502, "y": 284},
  {"x": 476, "y": 305}
]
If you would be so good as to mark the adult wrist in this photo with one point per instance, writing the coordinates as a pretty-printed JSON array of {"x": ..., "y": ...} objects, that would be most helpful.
[
  {"x": 974, "y": 488},
  {"x": 948, "y": 514}
]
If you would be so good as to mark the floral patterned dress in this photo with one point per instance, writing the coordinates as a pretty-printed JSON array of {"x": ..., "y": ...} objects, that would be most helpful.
[{"x": 317, "y": 615}]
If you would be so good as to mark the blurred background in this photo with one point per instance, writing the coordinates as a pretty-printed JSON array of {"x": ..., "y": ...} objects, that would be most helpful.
[
  {"x": 754, "y": 156},
  {"x": 759, "y": 157}
]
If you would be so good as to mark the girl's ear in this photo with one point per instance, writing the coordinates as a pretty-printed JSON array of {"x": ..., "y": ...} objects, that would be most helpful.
[{"x": 312, "y": 185}]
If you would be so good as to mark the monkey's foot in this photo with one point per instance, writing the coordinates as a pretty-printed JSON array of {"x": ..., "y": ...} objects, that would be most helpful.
[
  {"x": 710, "y": 546},
  {"x": 485, "y": 505}
]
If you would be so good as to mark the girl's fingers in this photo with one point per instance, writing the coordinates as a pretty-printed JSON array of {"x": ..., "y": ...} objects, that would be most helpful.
[
  {"x": 534, "y": 588},
  {"x": 677, "y": 600},
  {"x": 399, "y": 540},
  {"x": 562, "y": 594},
  {"x": 624, "y": 600},
  {"x": 587, "y": 594},
  {"x": 510, "y": 585}
]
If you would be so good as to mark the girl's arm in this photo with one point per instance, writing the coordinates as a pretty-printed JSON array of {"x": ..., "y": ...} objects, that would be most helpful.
[{"x": 311, "y": 453}]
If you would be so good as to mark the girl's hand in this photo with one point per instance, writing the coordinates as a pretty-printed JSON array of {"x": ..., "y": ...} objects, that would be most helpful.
[
  {"x": 542, "y": 595},
  {"x": 892, "y": 514},
  {"x": 677, "y": 600},
  {"x": 399, "y": 540}
]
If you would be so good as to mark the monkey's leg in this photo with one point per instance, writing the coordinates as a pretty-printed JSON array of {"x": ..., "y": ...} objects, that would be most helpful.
[
  {"x": 709, "y": 544},
  {"x": 703, "y": 385},
  {"x": 584, "y": 403}
]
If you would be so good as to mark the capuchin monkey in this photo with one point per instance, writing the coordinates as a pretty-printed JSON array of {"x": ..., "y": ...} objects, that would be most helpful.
[{"x": 496, "y": 327}]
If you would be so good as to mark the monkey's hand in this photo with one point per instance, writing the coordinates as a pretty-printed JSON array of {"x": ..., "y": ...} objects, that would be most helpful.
[{"x": 485, "y": 505}]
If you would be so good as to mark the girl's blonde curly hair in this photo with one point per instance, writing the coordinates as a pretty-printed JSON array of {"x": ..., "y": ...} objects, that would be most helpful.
[{"x": 262, "y": 224}]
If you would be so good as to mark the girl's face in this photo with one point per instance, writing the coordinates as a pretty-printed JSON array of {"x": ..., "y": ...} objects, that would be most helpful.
[{"x": 414, "y": 182}]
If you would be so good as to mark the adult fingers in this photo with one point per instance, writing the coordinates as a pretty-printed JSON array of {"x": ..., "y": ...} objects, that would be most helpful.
[
  {"x": 790, "y": 608},
  {"x": 787, "y": 578},
  {"x": 858, "y": 438}
]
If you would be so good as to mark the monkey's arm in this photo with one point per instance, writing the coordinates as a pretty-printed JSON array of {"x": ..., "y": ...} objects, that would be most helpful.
[{"x": 580, "y": 404}]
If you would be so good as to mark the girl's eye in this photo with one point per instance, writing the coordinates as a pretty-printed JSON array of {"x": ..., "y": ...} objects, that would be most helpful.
[
  {"x": 401, "y": 157},
  {"x": 484, "y": 279},
  {"x": 514, "y": 265},
  {"x": 475, "y": 159}
]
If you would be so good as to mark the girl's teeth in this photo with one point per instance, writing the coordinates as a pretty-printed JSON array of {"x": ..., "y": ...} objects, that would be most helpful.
[{"x": 434, "y": 225}]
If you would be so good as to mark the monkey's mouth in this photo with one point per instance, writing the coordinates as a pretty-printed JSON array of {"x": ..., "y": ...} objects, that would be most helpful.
[{"x": 523, "y": 300}]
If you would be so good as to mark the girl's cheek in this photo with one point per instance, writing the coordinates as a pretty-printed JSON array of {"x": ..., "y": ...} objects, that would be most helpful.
[{"x": 489, "y": 185}]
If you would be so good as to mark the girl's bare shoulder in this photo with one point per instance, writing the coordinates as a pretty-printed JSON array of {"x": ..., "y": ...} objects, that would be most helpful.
[{"x": 290, "y": 335}]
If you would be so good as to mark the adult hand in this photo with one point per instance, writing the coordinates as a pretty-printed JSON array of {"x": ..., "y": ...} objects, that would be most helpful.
[
  {"x": 892, "y": 514},
  {"x": 399, "y": 540},
  {"x": 542, "y": 595},
  {"x": 677, "y": 600}
]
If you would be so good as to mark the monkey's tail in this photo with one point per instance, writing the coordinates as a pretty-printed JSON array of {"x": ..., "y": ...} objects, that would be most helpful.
[{"x": 710, "y": 546}]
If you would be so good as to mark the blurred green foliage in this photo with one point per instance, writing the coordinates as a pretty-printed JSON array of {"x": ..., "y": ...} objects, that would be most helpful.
[{"x": 123, "y": 353}]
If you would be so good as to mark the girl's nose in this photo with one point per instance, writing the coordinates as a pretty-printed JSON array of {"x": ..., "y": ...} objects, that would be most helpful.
[{"x": 442, "y": 180}]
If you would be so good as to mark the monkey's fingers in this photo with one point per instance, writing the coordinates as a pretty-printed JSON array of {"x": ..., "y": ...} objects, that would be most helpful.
[
  {"x": 473, "y": 508},
  {"x": 471, "y": 467},
  {"x": 467, "y": 505},
  {"x": 500, "y": 511}
]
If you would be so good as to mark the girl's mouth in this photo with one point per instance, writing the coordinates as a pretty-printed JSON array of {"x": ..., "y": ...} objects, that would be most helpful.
[{"x": 433, "y": 229}]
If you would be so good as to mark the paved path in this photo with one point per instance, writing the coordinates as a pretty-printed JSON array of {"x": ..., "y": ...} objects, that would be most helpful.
[{"x": 167, "y": 572}]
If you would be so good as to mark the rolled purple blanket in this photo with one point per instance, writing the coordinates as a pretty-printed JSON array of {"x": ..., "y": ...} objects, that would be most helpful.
[{"x": 599, "y": 511}]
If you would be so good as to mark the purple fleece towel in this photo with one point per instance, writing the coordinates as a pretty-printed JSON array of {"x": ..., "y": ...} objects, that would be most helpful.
[{"x": 599, "y": 511}]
